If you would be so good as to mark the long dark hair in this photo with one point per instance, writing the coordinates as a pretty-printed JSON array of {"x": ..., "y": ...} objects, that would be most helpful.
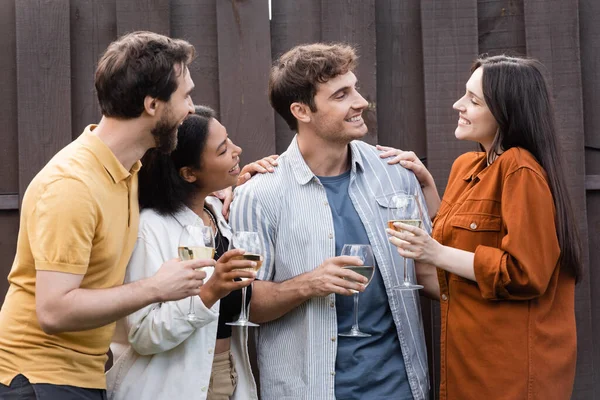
[
  {"x": 161, "y": 188},
  {"x": 519, "y": 98}
]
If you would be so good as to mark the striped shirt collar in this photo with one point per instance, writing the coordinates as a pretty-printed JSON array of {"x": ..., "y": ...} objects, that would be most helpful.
[{"x": 302, "y": 171}]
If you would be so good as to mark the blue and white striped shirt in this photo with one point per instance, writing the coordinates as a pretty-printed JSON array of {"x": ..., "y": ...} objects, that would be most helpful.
[{"x": 289, "y": 209}]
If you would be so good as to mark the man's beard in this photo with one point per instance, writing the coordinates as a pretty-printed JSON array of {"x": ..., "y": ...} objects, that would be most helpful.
[{"x": 165, "y": 134}]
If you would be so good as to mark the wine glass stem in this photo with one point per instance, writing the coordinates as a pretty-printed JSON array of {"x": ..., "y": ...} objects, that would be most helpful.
[
  {"x": 191, "y": 310},
  {"x": 243, "y": 315},
  {"x": 355, "y": 325},
  {"x": 406, "y": 278}
]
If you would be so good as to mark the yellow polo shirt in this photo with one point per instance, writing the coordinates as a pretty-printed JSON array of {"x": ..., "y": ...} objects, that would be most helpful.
[{"x": 79, "y": 215}]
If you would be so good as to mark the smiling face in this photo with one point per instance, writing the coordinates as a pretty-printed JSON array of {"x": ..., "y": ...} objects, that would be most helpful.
[
  {"x": 219, "y": 161},
  {"x": 475, "y": 121},
  {"x": 339, "y": 110}
]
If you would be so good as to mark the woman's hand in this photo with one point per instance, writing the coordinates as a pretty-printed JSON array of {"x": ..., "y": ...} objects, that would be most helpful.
[
  {"x": 222, "y": 282},
  {"x": 415, "y": 243},
  {"x": 261, "y": 166},
  {"x": 408, "y": 160}
]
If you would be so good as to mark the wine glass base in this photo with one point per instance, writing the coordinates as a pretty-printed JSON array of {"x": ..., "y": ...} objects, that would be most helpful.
[
  {"x": 241, "y": 323},
  {"x": 408, "y": 286},
  {"x": 354, "y": 334},
  {"x": 190, "y": 318}
]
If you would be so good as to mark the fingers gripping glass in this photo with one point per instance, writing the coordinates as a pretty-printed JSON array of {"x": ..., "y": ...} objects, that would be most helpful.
[
  {"x": 196, "y": 242},
  {"x": 250, "y": 242},
  {"x": 365, "y": 253},
  {"x": 405, "y": 208}
]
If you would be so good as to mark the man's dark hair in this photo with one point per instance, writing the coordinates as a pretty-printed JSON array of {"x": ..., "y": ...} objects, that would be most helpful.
[
  {"x": 137, "y": 65},
  {"x": 295, "y": 75}
]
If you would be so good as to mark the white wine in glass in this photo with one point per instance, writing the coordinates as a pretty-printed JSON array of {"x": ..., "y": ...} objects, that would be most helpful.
[
  {"x": 365, "y": 253},
  {"x": 196, "y": 242},
  {"x": 257, "y": 258},
  {"x": 250, "y": 242},
  {"x": 405, "y": 208},
  {"x": 364, "y": 270}
]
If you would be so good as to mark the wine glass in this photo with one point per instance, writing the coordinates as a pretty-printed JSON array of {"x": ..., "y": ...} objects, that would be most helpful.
[
  {"x": 365, "y": 253},
  {"x": 249, "y": 241},
  {"x": 196, "y": 242},
  {"x": 405, "y": 208}
]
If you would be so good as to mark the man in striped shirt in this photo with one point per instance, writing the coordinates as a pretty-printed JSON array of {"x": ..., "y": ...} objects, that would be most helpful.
[{"x": 330, "y": 189}]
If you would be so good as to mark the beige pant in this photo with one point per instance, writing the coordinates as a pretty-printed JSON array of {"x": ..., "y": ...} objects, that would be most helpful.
[{"x": 223, "y": 378}]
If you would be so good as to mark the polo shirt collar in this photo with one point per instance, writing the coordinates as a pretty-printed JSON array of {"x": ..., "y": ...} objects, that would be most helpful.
[{"x": 107, "y": 158}]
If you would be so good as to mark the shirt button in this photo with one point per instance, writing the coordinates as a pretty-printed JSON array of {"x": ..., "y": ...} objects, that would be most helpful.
[
  {"x": 332, "y": 373},
  {"x": 210, "y": 351},
  {"x": 473, "y": 225},
  {"x": 444, "y": 297},
  {"x": 333, "y": 339},
  {"x": 204, "y": 389},
  {"x": 326, "y": 204},
  {"x": 331, "y": 236},
  {"x": 332, "y": 304}
]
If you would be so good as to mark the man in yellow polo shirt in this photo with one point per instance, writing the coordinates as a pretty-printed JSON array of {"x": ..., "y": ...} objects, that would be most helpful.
[{"x": 78, "y": 227}]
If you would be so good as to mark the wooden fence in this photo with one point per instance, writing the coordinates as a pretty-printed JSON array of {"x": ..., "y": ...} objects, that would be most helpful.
[{"x": 415, "y": 58}]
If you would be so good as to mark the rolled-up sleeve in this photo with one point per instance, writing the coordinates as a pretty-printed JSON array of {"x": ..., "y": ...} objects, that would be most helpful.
[{"x": 521, "y": 268}]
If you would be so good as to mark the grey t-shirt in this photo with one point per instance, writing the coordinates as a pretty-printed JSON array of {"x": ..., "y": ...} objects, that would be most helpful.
[{"x": 372, "y": 367}]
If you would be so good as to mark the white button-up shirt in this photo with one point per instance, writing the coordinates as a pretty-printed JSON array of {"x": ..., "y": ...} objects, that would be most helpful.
[{"x": 157, "y": 355}]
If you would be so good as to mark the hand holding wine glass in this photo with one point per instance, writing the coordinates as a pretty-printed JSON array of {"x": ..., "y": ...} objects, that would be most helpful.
[
  {"x": 365, "y": 254},
  {"x": 253, "y": 250},
  {"x": 223, "y": 280},
  {"x": 196, "y": 242},
  {"x": 404, "y": 208}
]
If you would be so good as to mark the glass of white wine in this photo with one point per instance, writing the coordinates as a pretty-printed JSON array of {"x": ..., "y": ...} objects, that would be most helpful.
[
  {"x": 249, "y": 241},
  {"x": 196, "y": 242},
  {"x": 365, "y": 253},
  {"x": 405, "y": 208}
]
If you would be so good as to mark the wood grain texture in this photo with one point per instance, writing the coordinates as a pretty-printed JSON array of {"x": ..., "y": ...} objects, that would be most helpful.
[
  {"x": 146, "y": 15},
  {"x": 244, "y": 63},
  {"x": 292, "y": 23},
  {"x": 9, "y": 221},
  {"x": 400, "y": 85},
  {"x": 354, "y": 23},
  {"x": 93, "y": 28},
  {"x": 552, "y": 34},
  {"x": 196, "y": 22},
  {"x": 44, "y": 83},
  {"x": 501, "y": 27},
  {"x": 449, "y": 47},
  {"x": 589, "y": 41},
  {"x": 9, "y": 174}
]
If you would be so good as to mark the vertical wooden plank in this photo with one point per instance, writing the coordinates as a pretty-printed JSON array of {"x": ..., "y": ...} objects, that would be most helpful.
[
  {"x": 400, "y": 86},
  {"x": 93, "y": 28},
  {"x": 501, "y": 27},
  {"x": 292, "y": 23},
  {"x": 44, "y": 77},
  {"x": 9, "y": 161},
  {"x": 196, "y": 22},
  {"x": 146, "y": 15},
  {"x": 354, "y": 23},
  {"x": 552, "y": 34},
  {"x": 244, "y": 62},
  {"x": 450, "y": 44},
  {"x": 589, "y": 29},
  {"x": 9, "y": 221}
]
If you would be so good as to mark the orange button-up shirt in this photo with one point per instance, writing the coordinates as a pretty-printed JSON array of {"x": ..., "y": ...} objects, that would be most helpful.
[{"x": 511, "y": 334}]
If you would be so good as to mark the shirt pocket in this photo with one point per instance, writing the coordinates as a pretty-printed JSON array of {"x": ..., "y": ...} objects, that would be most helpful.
[{"x": 470, "y": 230}]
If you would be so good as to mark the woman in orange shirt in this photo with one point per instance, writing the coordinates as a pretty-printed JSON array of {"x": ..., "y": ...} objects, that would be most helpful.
[{"x": 504, "y": 254}]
